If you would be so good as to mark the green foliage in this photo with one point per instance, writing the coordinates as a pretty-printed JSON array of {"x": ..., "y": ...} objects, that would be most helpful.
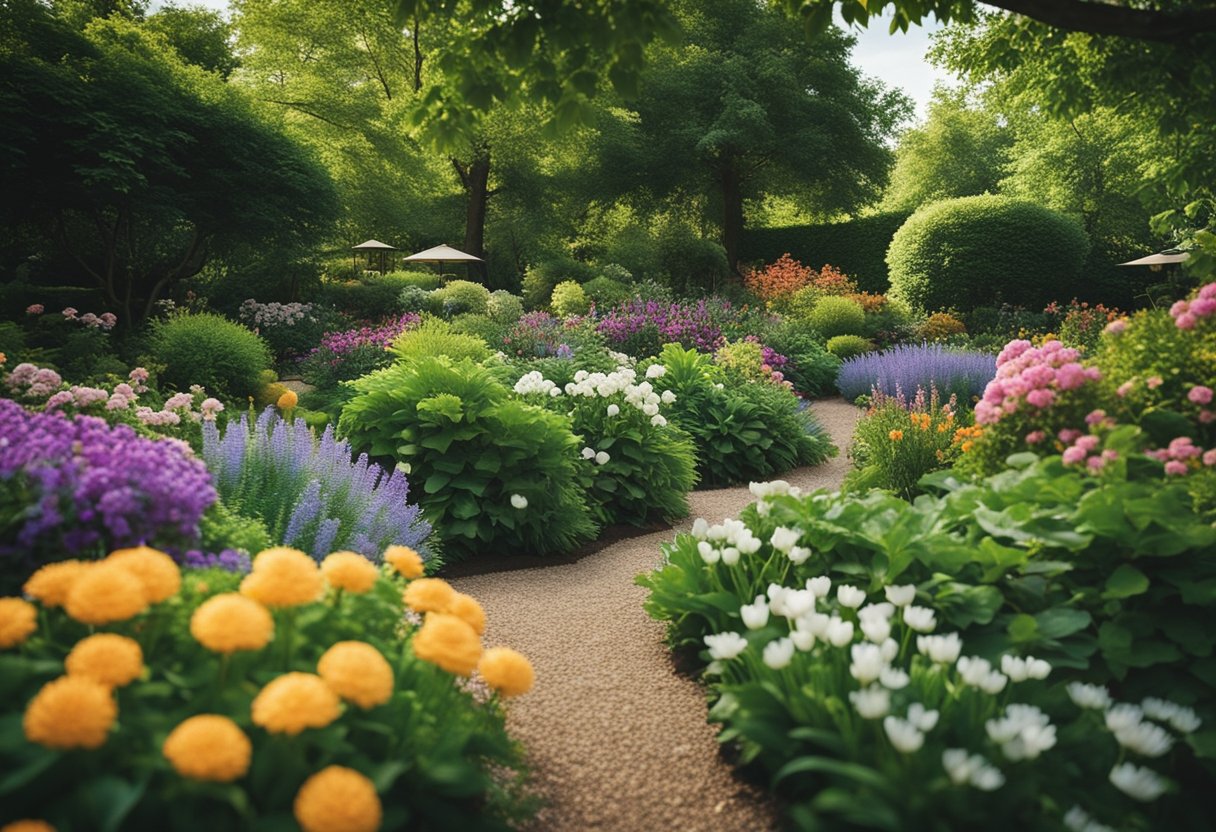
[
  {"x": 985, "y": 250},
  {"x": 462, "y": 296},
  {"x": 692, "y": 264},
  {"x": 742, "y": 433},
  {"x": 569, "y": 299},
  {"x": 437, "y": 754},
  {"x": 858, "y": 247},
  {"x": 898, "y": 441},
  {"x": 504, "y": 307},
  {"x": 201, "y": 36},
  {"x": 542, "y": 278},
  {"x": 223, "y": 528},
  {"x": 423, "y": 280},
  {"x": 831, "y": 316},
  {"x": 206, "y": 349},
  {"x": 435, "y": 337},
  {"x": 810, "y": 368},
  {"x": 606, "y": 293},
  {"x": 471, "y": 449},
  {"x": 415, "y": 299},
  {"x": 848, "y": 346}
]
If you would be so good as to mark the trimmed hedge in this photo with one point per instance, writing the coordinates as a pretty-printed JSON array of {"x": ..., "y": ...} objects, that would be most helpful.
[
  {"x": 858, "y": 247},
  {"x": 985, "y": 251}
]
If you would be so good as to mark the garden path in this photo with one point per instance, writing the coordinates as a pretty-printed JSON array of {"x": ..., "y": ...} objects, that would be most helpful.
[{"x": 616, "y": 739}]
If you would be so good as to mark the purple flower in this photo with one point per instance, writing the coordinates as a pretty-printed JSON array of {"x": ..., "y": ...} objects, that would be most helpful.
[{"x": 907, "y": 367}]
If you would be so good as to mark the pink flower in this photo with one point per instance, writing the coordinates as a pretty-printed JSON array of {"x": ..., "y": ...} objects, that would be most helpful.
[
  {"x": 1040, "y": 398},
  {"x": 1124, "y": 389},
  {"x": 1182, "y": 448},
  {"x": 210, "y": 407},
  {"x": 1186, "y": 321},
  {"x": 1074, "y": 455},
  {"x": 70, "y": 313},
  {"x": 1174, "y": 468},
  {"x": 1012, "y": 350},
  {"x": 179, "y": 401},
  {"x": 59, "y": 399},
  {"x": 1209, "y": 458},
  {"x": 1068, "y": 435},
  {"x": 1203, "y": 307},
  {"x": 1180, "y": 307},
  {"x": 1208, "y": 292},
  {"x": 1095, "y": 463},
  {"x": 1153, "y": 382},
  {"x": 1071, "y": 376},
  {"x": 1206, "y": 417},
  {"x": 1200, "y": 394},
  {"x": 1095, "y": 417},
  {"x": 35, "y": 309},
  {"x": 1088, "y": 443},
  {"x": 1110, "y": 455},
  {"x": 1116, "y": 327},
  {"x": 117, "y": 402},
  {"x": 1035, "y": 437}
]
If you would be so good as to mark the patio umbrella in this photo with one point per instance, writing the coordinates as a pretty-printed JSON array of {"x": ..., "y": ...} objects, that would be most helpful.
[
  {"x": 443, "y": 254},
  {"x": 1161, "y": 258}
]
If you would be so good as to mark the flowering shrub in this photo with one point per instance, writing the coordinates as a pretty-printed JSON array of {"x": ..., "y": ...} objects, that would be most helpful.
[
  {"x": 290, "y": 329},
  {"x": 810, "y": 368},
  {"x": 636, "y": 466},
  {"x": 825, "y": 614},
  {"x": 307, "y": 490},
  {"x": 104, "y": 321},
  {"x": 80, "y": 487},
  {"x": 779, "y": 279},
  {"x": 474, "y": 450},
  {"x": 952, "y": 372},
  {"x": 541, "y": 335},
  {"x": 147, "y": 698},
  {"x": 1080, "y": 324},
  {"x": 350, "y": 353},
  {"x": 641, "y": 328},
  {"x": 941, "y": 325},
  {"x": 898, "y": 441},
  {"x": 271, "y": 315},
  {"x": 750, "y": 360}
]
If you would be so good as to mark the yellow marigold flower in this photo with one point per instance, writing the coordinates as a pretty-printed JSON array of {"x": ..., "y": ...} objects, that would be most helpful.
[
  {"x": 293, "y": 702},
  {"x": 156, "y": 571},
  {"x": 508, "y": 672},
  {"x": 70, "y": 712},
  {"x": 288, "y": 400},
  {"x": 208, "y": 747},
  {"x": 51, "y": 583},
  {"x": 18, "y": 619},
  {"x": 26, "y": 825},
  {"x": 895, "y": 435},
  {"x": 106, "y": 593},
  {"x": 358, "y": 673},
  {"x": 230, "y": 622},
  {"x": 449, "y": 642},
  {"x": 338, "y": 799},
  {"x": 283, "y": 577},
  {"x": 111, "y": 659},
  {"x": 350, "y": 571},
  {"x": 405, "y": 560},
  {"x": 466, "y": 607},
  {"x": 429, "y": 595}
]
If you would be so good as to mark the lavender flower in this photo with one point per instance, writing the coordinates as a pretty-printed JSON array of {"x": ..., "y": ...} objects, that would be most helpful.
[{"x": 908, "y": 367}]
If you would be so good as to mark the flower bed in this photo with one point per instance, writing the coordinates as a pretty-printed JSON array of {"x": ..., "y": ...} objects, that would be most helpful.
[{"x": 906, "y": 368}]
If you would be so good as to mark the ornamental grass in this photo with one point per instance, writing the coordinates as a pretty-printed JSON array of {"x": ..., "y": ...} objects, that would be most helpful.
[{"x": 303, "y": 692}]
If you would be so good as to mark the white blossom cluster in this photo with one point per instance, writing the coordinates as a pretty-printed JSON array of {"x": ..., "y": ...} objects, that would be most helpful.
[
  {"x": 603, "y": 385},
  {"x": 535, "y": 384},
  {"x": 971, "y": 770},
  {"x": 763, "y": 491},
  {"x": 725, "y": 541},
  {"x": 1023, "y": 733},
  {"x": 1077, "y": 819}
]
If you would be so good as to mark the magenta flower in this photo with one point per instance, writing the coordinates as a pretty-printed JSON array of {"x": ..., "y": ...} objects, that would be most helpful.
[
  {"x": 1174, "y": 468},
  {"x": 1200, "y": 394}
]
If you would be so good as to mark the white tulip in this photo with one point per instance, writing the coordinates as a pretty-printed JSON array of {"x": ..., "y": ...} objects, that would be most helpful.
[
  {"x": 973, "y": 670},
  {"x": 943, "y": 649},
  {"x": 873, "y": 702},
  {"x": 892, "y": 678},
  {"x": 700, "y": 528},
  {"x": 993, "y": 683},
  {"x": 903, "y": 735},
  {"x": 602, "y": 458},
  {"x": 798, "y": 602},
  {"x": 850, "y": 596},
  {"x": 839, "y": 633},
  {"x": 755, "y": 615},
  {"x": 821, "y": 586},
  {"x": 1141, "y": 784},
  {"x": 920, "y": 619},
  {"x": 1088, "y": 696},
  {"x": 798, "y": 555},
  {"x": 924, "y": 720},
  {"x": 725, "y": 645},
  {"x": 1123, "y": 716},
  {"x": 867, "y": 664},
  {"x": 815, "y": 623},
  {"x": 890, "y": 649},
  {"x": 730, "y": 556},
  {"x": 779, "y": 653},
  {"x": 588, "y": 453},
  {"x": 1146, "y": 739},
  {"x": 783, "y": 539},
  {"x": 708, "y": 553},
  {"x": 748, "y": 543},
  {"x": 776, "y": 599},
  {"x": 519, "y": 501},
  {"x": 803, "y": 639},
  {"x": 882, "y": 611},
  {"x": 876, "y": 630},
  {"x": 901, "y": 596}
]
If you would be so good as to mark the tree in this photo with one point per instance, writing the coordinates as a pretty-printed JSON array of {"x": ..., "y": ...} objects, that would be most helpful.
[
  {"x": 958, "y": 151},
  {"x": 139, "y": 166},
  {"x": 746, "y": 107},
  {"x": 200, "y": 35}
]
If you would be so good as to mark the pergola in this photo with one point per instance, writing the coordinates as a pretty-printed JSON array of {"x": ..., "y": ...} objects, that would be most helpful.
[{"x": 377, "y": 254}]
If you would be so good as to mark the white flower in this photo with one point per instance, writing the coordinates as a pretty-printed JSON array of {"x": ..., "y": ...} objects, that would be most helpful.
[
  {"x": 1145, "y": 738},
  {"x": 602, "y": 458},
  {"x": 890, "y": 649},
  {"x": 668, "y": 397},
  {"x": 700, "y": 527},
  {"x": 821, "y": 586},
  {"x": 803, "y": 639},
  {"x": 708, "y": 553},
  {"x": 1123, "y": 715},
  {"x": 973, "y": 670},
  {"x": 748, "y": 543},
  {"x": 943, "y": 649},
  {"x": 924, "y": 720},
  {"x": 798, "y": 555},
  {"x": 993, "y": 683},
  {"x": 1019, "y": 669},
  {"x": 554, "y": 392},
  {"x": 1077, "y": 820},
  {"x": 1183, "y": 720},
  {"x": 873, "y": 702},
  {"x": 1023, "y": 733},
  {"x": 1141, "y": 784},
  {"x": 658, "y": 421},
  {"x": 779, "y": 653},
  {"x": 614, "y": 409},
  {"x": 656, "y": 371},
  {"x": 892, "y": 678},
  {"x": 867, "y": 664},
  {"x": 650, "y": 409},
  {"x": 776, "y": 599},
  {"x": 519, "y": 501},
  {"x": 588, "y": 453},
  {"x": 903, "y": 735},
  {"x": 815, "y": 623},
  {"x": 1088, "y": 696},
  {"x": 971, "y": 769},
  {"x": 987, "y": 778},
  {"x": 839, "y": 633},
  {"x": 783, "y": 539},
  {"x": 725, "y": 645},
  {"x": 730, "y": 556},
  {"x": 882, "y": 611},
  {"x": 719, "y": 386},
  {"x": 901, "y": 596},
  {"x": 876, "y": 630},
  {"x": 850, "y": 596},
  {"x": 755, "y": 615},
  {"x": 920, "y": 619},
  {"x": 798, "y": 602}
]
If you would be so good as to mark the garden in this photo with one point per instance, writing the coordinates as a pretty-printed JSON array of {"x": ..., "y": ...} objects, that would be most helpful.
[{"x": 796, "y": 466}]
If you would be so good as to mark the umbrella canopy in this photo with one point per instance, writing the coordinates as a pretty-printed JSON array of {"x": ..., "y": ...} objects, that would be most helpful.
[
  {"x": 443, "y": 254},
  {"x": 1161, "y": 258},
  {"x": 373, "y": 245}
]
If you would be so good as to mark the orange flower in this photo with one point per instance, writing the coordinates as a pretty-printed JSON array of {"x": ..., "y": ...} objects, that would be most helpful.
[
  {"x": 429, "y": 595},
  {"x": 288, "y": 400},
  {"x": 338, "y": 799},
  {"x": 466, "y": 607},
  {"x": 106, "y": 593},
  {"x": 51, "y": 583},
  {"x": 18, "y": 620},
  {"x": 283, "y": 577},
  {"x": 293, "y": 702},
  {"x": 358, "y": 673},
  {"x": 70, "y": 712},
  {"x": 156, "y": 571},
  {"x": 350, "y": 571},
  {"x": 405, "y": 560},
  {"x": 449, "y": 642},
  {"x": 508, "y": 672},
  {"x": 229, "y": 622},
  {"x": 111, "y": 659},
  {"x": 208, "y": 747},
  {"x": 895, "y": 435}
]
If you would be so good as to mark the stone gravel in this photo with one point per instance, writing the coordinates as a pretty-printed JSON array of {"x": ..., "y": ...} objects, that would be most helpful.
[{"x": 615, "y": 737}]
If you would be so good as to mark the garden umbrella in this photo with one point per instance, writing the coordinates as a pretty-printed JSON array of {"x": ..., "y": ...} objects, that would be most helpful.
[
  {"x": 373, "y": 248},
  {"x": 1161, "y": 258},
  {"x": 443, "y": 254}
]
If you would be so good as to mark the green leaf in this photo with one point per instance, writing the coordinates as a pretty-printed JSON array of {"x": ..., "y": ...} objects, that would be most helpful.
[
  {"x": 1062, "y": 621},
  {"x": 1125, "y": 582}
]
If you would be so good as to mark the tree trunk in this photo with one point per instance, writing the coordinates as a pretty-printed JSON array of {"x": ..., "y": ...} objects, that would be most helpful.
[
  {"x": 732, "y": 213},
  {"x": 475, "y": 177}
]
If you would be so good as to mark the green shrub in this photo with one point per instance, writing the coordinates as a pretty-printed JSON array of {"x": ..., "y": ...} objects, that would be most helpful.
[
  {"x": 569, "y": 299},
  {"x": 605, "y": 292},
  {"x": 373, "y": 295},
  {"x": 831, "y": 316},
  {"x": 504, "y": 307},
  {"x": 461, "y": 297},
  {"x": 986, "y": 250},
  {"x": 417, "y": 300},
  {"x": 542, "y": 278},
  {"x": 210, "y": 350},
  {"x": 847, "y": 346},
  {"x": 811, "y": 368},
  {"x": 223, "y": 528},
  {"x": 435, "y": 337},
  {"x": 472, "y": 450},
  {"x": 899, "y": 441},
  {"x": 693, "y": 264},
  {"x": 479, "y": 326},
  {"x": 427, "y": 281}
]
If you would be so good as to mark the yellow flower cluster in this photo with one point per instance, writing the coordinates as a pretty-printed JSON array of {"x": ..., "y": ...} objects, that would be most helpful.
[
  {"x": 110, "y": 659},
  {"x": 965, "y": 437},
  {"x": 157, "y": 572},
  {"x": 283, "y": 577},
  {"x": 350, "y": 571},
  {"x": 293, "y": 702},
  {"x": 895, "y": 435},
  {"x": 51, "y": 583},
  {"x": 208, "y": 747},
  {"x": 230, "y": 622},
  {"x": 507, "y": 671},
  {"x": 358, "y": 673},
  {"x": 18, "y": 620},
  {"x": 70, "y": 712},
  {"x": 449, "y": 642},
  {"x": 115, "y": 589},
  {"x": 405, "y": 560},
  {"x": 429, "y": 595},
  {"x": 338, "y": 799}
]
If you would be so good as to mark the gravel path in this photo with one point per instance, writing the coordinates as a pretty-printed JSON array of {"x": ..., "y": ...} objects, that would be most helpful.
[{"x": 616, "y": 739}]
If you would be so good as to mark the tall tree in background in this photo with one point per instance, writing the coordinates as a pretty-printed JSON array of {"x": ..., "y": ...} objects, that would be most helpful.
[{"x": 200, "y": 35}]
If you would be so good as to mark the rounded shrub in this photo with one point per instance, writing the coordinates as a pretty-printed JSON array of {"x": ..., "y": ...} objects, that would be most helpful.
[
  {"x": 831, "y": 316},
  {"x": 427, "y": 281},
  {"x": 941, "y": 325},
  {"x": 542, "y": 278},
  {"x": 462, "y": 297},
  {"x": 606, "y": 292},
  {"x": 569, "y": 299},
  {"x": 415, "y": 299},
  {"x": 435, "y": 337},
  {"x": 847, "y": 346},
  {"x": 210, "y": 350},
  {"x": 985, "y": 251},
  {"x": 504, "y": 307}
]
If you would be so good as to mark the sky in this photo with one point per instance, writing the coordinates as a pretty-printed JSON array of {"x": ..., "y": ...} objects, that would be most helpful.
[{"x": 897, "y": 60}]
